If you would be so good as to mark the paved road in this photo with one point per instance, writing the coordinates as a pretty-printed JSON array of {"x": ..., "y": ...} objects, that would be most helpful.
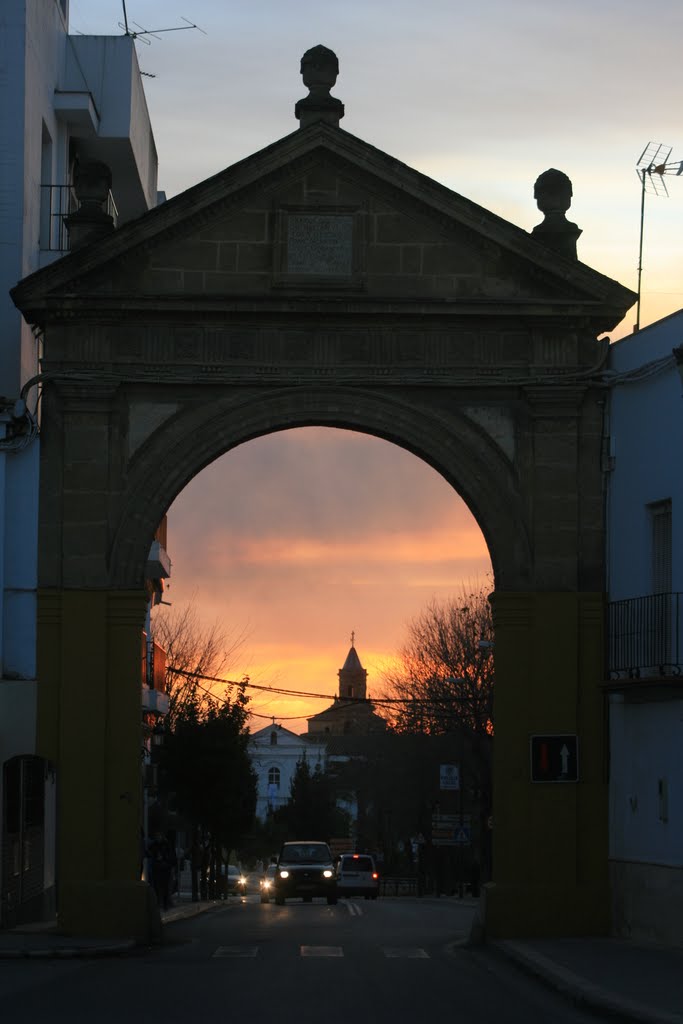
[{"x": 369, "y": 962}]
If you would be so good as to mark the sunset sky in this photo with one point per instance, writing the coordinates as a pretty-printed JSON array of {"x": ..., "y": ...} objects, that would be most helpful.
[{"x": 300, "y": 537}]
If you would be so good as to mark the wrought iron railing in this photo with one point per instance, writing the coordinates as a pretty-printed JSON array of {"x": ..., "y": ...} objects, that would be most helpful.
[
  {"x": 56, "y": 203},
  {"x": 644, "y": 636}
]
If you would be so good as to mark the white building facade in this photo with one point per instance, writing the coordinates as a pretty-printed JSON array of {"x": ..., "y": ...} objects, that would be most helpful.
[
  {"x": 275, "y": 753},
  {"x": 645, "y": 633},
  {"x": 65, "y": 101}
]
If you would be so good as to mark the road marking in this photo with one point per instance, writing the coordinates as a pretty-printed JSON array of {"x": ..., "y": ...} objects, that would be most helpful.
[
  {"x": 322, "y": 951},
  {"x": 405, "y": 953},
  {"x": 236, "y": 951},
  {"x": 353, "y": 909}
]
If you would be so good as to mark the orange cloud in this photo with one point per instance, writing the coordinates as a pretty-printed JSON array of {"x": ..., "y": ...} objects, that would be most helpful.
[{"x": 437, "y": 546}]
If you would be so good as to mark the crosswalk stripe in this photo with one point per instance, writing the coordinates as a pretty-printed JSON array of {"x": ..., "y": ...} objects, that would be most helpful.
[
  {"x": 390, "y": 952},
  {"x": 405, "y": 953},
  {"x": 236, "y": 951},
  {"x": 322, "y": 951}
]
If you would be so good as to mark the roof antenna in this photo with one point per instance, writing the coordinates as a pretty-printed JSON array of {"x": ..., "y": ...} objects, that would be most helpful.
[
  {"x": 651, "y": 167},
  {"x": 142, "y": 33}
]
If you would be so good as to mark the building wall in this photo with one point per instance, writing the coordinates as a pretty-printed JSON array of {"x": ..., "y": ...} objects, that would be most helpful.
[
  {"x": 646, "y": 715},
  {"x": 646, "y": 808},
  {"x": 36, "y": 55},
  {"x": 283, "y": 755},
  {"x": 646, "y": 428}
]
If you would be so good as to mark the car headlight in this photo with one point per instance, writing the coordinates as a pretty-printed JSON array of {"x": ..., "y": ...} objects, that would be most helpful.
[
  {"x": 266, "y": 883},
  {"x": 327, "y": 873},
  {"x": 242, "y": 881},
  {"x": 284, "y": 874}
]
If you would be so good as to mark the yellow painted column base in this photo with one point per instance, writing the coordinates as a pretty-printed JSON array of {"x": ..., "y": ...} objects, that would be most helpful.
[
  {"x": 525, "y": 911},
  {"x": 111, "y": 909}
]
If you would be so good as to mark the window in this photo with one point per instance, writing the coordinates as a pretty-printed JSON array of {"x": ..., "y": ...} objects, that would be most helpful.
[
  {"x": 660, "y": 520},
  {"x": 47, "y": 224},
  {"x": 660, "y": 624},
  {"x": 274, "y": 777},
  {"x": 273, "y": 739}
]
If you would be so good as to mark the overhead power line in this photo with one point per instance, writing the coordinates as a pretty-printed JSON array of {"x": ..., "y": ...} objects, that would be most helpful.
[{"x": 245, "y": 684}]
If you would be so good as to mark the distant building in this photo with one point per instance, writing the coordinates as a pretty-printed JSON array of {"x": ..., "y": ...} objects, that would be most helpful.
[
  {"x": 275, "y": 753},
  {"x": 352, "y": 713},
  {"x": 645, "y": 632}
]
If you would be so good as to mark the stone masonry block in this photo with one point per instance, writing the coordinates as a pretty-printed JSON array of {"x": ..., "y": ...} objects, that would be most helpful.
[
  {"x": 90, "y": 506},
  {"x": 243, "y": 226},
  {"x": 163, "y": 281},
  {"x": 227, "y": 257},
  {"x": 411, "y": 259},
  {"x": 252, "y": 258},
  {"x": 321, "y": 182},
  {"x": 396, "y": 227},
  {"x": 192, "y": 255},
  {"x": 193, "y": 282},
  {"x": 447, "y": 259},
  {"x": 384, "y": 259},
  {"x": 88, "y": 445}
]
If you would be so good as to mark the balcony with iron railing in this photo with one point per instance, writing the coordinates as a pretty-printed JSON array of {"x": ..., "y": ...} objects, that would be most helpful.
[
  {"x": 154, "y": 696},
  {"x": 645, "y": 637},
  {"x": 56, "y": 203}
]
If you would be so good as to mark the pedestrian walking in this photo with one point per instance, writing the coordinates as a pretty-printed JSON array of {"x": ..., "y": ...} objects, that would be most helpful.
[{"x": 161, "y": 859}]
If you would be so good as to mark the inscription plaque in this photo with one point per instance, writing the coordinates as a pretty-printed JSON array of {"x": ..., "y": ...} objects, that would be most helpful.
[{"x": 320, "y": 244}]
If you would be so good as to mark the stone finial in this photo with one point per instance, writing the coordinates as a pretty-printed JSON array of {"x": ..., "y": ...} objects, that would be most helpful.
[
  {"x": 319, "y": 70},
  {"x": 92, "y": 184},
  {"x": 553, "y": 195}
]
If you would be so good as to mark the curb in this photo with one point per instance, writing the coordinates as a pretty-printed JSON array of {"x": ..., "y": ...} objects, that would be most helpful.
[
  {"x": 67, "y": 952},
  {"x": 92, "y": 951},
  {"x": 579, "y": 990}
]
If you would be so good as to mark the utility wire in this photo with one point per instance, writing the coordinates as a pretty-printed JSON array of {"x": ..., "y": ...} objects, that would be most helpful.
[{"x": 245, "y": 684}]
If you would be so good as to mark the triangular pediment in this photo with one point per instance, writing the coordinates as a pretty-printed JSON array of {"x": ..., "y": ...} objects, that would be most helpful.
[{"x": 322, "y": 215}]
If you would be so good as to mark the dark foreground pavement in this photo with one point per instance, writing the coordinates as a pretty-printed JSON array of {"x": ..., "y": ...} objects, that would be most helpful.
[
  {"x": 618, "y": 978},
  {"x": 614, "y": 977}
]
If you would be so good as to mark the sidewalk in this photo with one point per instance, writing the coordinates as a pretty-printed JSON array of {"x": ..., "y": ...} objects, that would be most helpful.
[
  {"x": 43, "y": 940},
  {"x": 615, "y": 977}
]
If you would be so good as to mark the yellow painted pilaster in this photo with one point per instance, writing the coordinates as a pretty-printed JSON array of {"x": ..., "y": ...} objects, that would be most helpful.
[
  {"x": 549, "y": 839},
  {"x": 89, "y": 725}
]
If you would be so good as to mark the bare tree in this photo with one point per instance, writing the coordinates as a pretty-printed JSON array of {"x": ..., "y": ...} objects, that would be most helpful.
[
  {"x": 193, "y": 650},
  {"x": 443, "y": 679},
  {"x": 443, "y": 683}
]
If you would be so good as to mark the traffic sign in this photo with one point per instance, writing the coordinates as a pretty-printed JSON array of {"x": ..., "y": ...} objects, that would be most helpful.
[
  {"x": 449, "y": 776},
  {"x": 451, "y": 829},
  {"x": 463, "y": 836},
  {"x": 554, "y": 758}
]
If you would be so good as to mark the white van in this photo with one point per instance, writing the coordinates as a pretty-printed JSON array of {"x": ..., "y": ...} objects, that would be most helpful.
[{"x": 357, "y": 875}]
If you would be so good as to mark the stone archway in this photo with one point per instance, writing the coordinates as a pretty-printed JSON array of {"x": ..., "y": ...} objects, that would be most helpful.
[
  {"x": 448, "y": 440},
  {"x": 321, "y": 282}
]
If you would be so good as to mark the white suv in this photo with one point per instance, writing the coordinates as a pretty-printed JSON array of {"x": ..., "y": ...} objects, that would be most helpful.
[{"x": 357, "y": 875}]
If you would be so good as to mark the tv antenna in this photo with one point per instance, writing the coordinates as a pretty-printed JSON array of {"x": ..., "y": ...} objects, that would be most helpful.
[
  {"x": 652, "y": 165},
  {"x": 145, "y": 35}
]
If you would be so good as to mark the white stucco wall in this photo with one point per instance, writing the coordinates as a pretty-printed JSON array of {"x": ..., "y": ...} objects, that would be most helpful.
[
  {"x": 646, "y": 745},
  {"x": 645, "y": 427},
  {"x": 107, "y": 67},
  {"x": 284, "y": 756},
  {"x": 646, "y": 435}
]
